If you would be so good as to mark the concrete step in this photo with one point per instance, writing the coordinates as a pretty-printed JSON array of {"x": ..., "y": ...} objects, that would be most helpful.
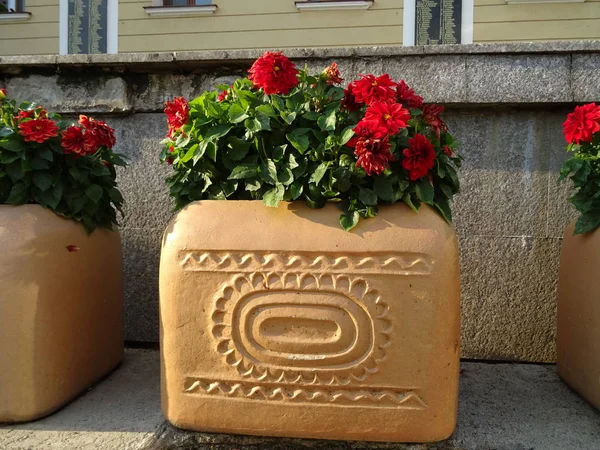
[{"x": 502, "y": 406}]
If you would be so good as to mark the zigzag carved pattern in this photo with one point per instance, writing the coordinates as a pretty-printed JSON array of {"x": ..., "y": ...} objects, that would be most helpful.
[
  {"x": 240, "y": 262},
  {"x": 360, "y": 396}
]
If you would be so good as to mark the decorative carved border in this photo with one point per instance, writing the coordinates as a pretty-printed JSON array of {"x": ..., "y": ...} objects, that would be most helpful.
[
  {"x": 383, "y": 397},
  {"x": 357, "y": 263},
  {"x": 357, "y": 290}
]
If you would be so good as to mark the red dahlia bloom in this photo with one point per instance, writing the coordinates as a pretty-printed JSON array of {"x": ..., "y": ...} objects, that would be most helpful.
[
  {"x": 274, "y": 73},
  {"x": 222, "y": 95},
  {"x": 38, "y": 130},
  {"x": 177, "y": 112},
  {"x": 431, "y": 116},
  {"x": 26, "y": 114},
  {"x": 370, "y": 89},
  {"x": 582, "y": 123},
  {"x": 333, "y": 75},
  {"x": 75, "y": 141},
  {"x": 99, "y": 131},
  {"x": 448, "y": 150},
  {"x": 392, "y": 116},
  {"x": 367, "y": 129},
  {"x": 349, "y": 100},
  {"x": 419, "y": 158},
  {"x": 407, "y": 96},
  {"x": 373, "y": 155}
]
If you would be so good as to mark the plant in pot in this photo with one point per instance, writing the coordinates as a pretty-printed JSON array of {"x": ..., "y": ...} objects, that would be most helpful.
[
  {"x": 322, "y": 299},
  {"x": 578, "y": 327},
  {"x": 61, "y": 319}
]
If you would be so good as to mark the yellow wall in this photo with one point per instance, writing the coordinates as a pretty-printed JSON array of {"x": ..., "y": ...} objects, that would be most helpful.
[
  {"x": 241, "y": 24},
  {"x": 36, "y": 36},
  {"x": 494, "y": 20}
]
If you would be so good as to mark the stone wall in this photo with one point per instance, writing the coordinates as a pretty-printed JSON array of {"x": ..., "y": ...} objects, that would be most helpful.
[{"x": 505, "y": 105}]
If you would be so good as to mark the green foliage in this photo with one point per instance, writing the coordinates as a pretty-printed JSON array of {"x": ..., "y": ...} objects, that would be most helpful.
[
  {"x": 81, "y": 188},
  {"x": 274, "y": 148},
  {"x": 583, "y": 169}
]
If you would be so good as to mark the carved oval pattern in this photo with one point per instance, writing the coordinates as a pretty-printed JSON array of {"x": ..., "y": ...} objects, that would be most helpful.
[{"x": 301, "y": 328}]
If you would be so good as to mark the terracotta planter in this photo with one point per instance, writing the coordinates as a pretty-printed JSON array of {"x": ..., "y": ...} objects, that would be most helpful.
[
  {"x": 578, "y": 338},
  {"x": 61, "y": 310},
  {"x": 277, "y": 322}
]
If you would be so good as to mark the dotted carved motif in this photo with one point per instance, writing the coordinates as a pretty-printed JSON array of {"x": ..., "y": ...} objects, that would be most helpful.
[{"x": 343, "y": 333}]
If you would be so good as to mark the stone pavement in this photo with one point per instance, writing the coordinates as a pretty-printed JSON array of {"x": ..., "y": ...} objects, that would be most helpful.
[{"x": 502, "y": 407}]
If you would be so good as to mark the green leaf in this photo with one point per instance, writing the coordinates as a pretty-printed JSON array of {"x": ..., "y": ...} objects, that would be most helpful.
[
  {"x": 13, "y": 145},
  {"x": 268, "y": 171},
  {"x": 267, "y": 110},
  {"x": 243, "y": 171},
  {"x": 18, "y": 194},
  {"x": 296, "y": 190},
  {"x": 408, "y": 200},
  {"x": 238, "y": 148},
  {"x": 8, "y": 157},
  {"x": 383, "y": 188},
  {"x": 424, "y": 191},
  {"x": 43, "y": 180},
  {"x": 311, "y": 115},
  {"x": 367, "y": 196},
  {"x": 237, "y": 114},
  {"x": 190, "y": 153},
  {"x": 253, "y": 185},
  {"x": 347, "y": 134},
  {"x": 38, "y": 163},
  {"x": 444, "y": 208},
  {"x": 319, "y": 172},
  {"x": 587, "y": 222},
  {"x": 299, "y": 141},
  {"x": 94, "y": 193},
  {"x": 200, "y": 151},
  {"x": 6, "y": 131},
  {"x": 288, "y": 116},
  {"x": 349, "y": 220},
  {"x": 327, "y": 122},
  {"x": 52, "y": 197},
  {"x": 274, "y": 196},
  {"x": 217, "y": 132},
  {"x": 285, "y": 176}
]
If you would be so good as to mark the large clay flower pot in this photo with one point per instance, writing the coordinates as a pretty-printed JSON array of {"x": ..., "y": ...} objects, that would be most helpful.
[
  {"x": 578, "y": 335},
  {"x": 277, "y": 322},
  {"x": 61, "y": 310}
]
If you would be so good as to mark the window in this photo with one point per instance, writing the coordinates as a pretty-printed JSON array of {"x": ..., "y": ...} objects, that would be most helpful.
[
  {"x": 178, "y": 8},
  {"x": 12, "y": 6},
  {"x": 315, "y": 5},
  {"x": 13, "y": 11}
]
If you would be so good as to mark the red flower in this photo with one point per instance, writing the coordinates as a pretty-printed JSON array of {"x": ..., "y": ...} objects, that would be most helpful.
[
  {"x": 177, "y": 112},
  {"x": 26, "y": 114},
  {"x": 75, "y": 141},
  {"x": 419, "y": 158},
  {"x": 582, "y": 123},
  {"x": 407, "y": 96},
  {"x": 2, "y": 94},
  {"x": 392, "y": 116},
  {"x": 39, "y": 112},
  {"x": 333, "y": 75},
  {"x": 222, "y": 95},
  {"x": 448, "y": 151},
  {"x": 38, "y": 130},
  {"x": 349, "y": 100},
  {"x": 367, "y": 130},
  {"x": 369, "y": 89},
  {"x": 373, "y": 155},
  {"x": 431, "y": 116},
  {"x": 274, "y": 73},
  {"x": 99, "y": 131}
]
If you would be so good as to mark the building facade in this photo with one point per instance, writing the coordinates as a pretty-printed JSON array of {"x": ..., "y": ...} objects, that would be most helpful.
[{"x": 29, "y": 27}]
